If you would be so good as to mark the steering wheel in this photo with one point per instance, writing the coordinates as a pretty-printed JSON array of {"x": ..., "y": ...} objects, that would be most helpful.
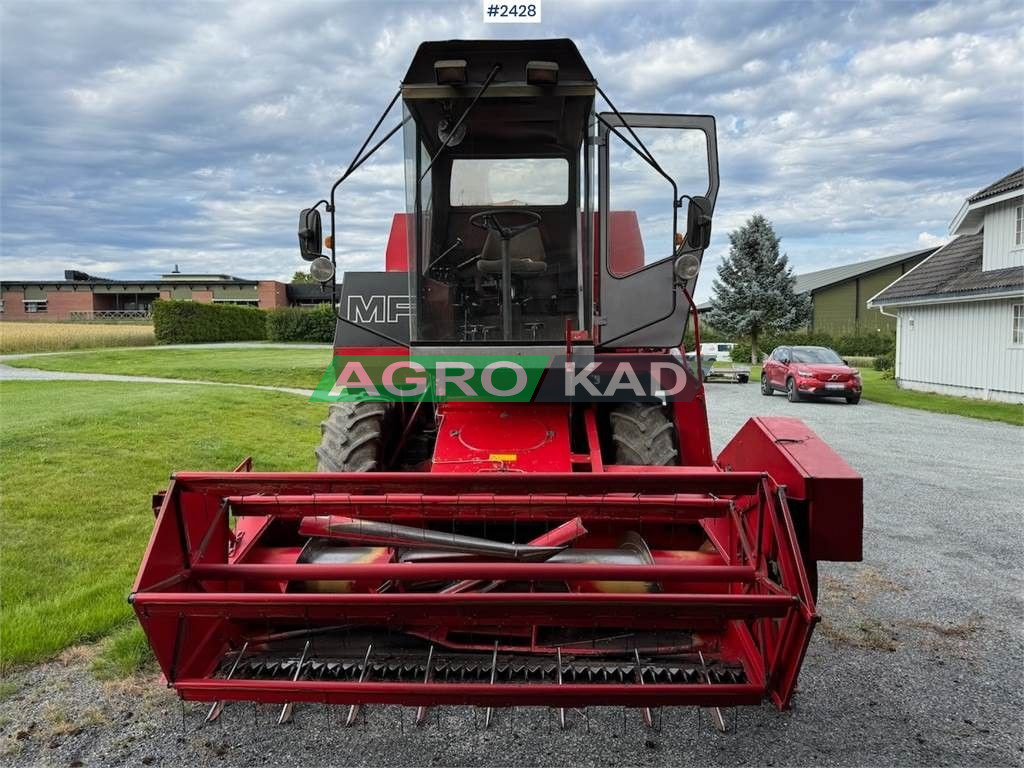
[{"x": 489, "y": 220}]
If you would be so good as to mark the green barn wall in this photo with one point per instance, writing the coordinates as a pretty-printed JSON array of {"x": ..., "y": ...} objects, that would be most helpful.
[
  {"x": 842, "y": 308},
  {"x": 834, "y": 308},
  {"x": 871, "y": 320}
]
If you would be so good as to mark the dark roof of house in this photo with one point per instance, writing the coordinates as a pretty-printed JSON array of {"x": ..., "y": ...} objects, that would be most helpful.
[
  {"x": 75, "y": 277},
  {"x": 953, "y": 271},
  {"x": 1011, "y": 181}
]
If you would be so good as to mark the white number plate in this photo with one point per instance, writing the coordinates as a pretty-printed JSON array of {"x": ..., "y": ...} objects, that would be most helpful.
[{"x": 835, "y": 385}]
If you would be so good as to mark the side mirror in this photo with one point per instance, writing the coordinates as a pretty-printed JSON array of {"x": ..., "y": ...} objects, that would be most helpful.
[
  {"x": 698, "y": 223},
  {"x": 310, "y": 234}
]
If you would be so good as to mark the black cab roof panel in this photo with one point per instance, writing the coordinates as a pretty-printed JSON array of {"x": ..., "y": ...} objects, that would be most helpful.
[{"x": 513, "y": 55}]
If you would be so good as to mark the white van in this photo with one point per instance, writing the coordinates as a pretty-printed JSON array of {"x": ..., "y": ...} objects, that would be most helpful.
[{"x": 722, "y": 351}]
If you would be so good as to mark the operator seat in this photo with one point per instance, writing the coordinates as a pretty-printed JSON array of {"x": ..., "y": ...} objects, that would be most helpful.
[{"x": 525, "y": 250}]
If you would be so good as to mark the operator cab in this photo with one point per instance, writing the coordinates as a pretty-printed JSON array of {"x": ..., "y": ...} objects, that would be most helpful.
[
  {"x": 494, "y": 191},
  {"x": 532, "y": 220}
]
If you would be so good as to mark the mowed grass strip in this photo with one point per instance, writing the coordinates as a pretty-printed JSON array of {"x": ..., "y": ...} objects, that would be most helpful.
[
  {"x": 79, "y": 462},
  {"x": 300, "y": 367},
  {"x": 880, "y": 390},
  {"x": 42, "y": 336}
]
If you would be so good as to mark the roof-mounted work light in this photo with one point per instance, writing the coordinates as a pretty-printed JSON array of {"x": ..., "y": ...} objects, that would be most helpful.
[
  {"x": 542, "y": 73},
  {"x": 450, "y": 72}
]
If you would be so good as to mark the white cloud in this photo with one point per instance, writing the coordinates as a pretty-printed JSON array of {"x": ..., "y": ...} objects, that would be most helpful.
[
  {"x": 928, "y": 240},
  {"x": 196, "y": 136}
]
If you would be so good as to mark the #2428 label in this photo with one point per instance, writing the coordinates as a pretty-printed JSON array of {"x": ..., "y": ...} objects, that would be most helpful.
[{"x": 511, "y": 13}]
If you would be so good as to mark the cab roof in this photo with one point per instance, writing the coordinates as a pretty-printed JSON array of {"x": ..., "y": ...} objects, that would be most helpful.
[{"x": 481, "y": 55}]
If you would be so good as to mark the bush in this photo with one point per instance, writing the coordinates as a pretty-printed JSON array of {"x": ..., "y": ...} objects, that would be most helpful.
[
  {"x": 190, "y": 322},
  {"x": 885, "y": 362},
  {"x": 294, "y": 324},
  {"x": 859, "y": 361},
  {"x": 868, "y": 344},
  {"x": 741, "y": 352},
  {"x": 851, "y": 345}
]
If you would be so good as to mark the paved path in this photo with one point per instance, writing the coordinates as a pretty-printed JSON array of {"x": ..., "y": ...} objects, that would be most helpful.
[
  {"x": 9, "y": 373},
  {"x": 218, "y": 345}
]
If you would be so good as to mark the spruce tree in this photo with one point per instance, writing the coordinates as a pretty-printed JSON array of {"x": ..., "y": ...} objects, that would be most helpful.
[{"x": 754, "y": 292}]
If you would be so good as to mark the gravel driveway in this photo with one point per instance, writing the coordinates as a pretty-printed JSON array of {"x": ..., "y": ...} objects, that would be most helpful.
[{"x": 918, "y": 659}]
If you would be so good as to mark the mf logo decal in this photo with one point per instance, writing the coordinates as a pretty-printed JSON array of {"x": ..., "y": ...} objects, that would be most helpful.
[{"x": 379, "y": 309}]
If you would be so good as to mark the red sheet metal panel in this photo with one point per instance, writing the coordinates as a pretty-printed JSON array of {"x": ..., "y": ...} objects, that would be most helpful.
[
  {"x": 396, "y": 258},
  {"x": 531, "y": 438},
  {"x": 789, "y": 451}
]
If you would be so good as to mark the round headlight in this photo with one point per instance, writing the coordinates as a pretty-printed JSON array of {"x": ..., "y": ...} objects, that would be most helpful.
[
  {"x": 321, "y": 269},
  {"x": 686, "y": 267}
]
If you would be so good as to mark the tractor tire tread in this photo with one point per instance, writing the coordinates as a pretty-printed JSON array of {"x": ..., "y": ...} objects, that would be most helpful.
[
  {"x": 643, "y": 435},
  {"x": 351, "y": 437}
]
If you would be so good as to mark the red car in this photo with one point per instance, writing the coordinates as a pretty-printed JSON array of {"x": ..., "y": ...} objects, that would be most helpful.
[{"x": 809, "y": 372}]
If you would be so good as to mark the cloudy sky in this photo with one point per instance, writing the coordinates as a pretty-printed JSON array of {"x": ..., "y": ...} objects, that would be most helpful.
[{"x": 136, "y": 136}]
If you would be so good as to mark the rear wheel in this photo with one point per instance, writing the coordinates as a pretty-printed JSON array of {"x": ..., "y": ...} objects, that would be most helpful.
[
  {"x": 643, "y": 435},
  {"x": 352, "y": 437},
  {"x": 766, "y": 387},
  {"x": 791, "y": 391}
]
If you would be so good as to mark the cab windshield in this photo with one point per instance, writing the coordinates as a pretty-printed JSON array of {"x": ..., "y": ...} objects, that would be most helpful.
[{"x": 494, "y": 218}]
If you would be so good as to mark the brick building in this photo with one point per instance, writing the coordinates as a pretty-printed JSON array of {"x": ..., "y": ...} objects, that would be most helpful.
[{"x": 83, "y": 296}]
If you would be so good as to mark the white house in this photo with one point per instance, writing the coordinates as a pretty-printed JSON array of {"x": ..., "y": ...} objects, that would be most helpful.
[{"x": 960, "y": 312}]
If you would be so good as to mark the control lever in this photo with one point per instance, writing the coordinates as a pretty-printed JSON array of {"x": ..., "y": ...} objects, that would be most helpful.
[{"x": 449, "y": 249}]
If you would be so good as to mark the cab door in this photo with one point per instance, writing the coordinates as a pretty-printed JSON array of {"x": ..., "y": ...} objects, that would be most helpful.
[{"x": 646, "y": 162}]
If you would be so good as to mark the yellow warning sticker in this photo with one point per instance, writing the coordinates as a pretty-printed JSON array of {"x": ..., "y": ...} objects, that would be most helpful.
[{"x": 503, "y": 457}]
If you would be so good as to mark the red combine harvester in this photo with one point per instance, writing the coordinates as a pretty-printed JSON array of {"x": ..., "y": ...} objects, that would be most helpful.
[{"x": 586, "y": 552}]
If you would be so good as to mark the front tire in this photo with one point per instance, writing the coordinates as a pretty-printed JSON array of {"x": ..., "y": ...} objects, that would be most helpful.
[
  {"x": 352, "y": 438},
  {"x": 643, "y": 435},
  {"x": 853, "y": 399},
  {"x": 766, "y": 387},
  {"x": 792, "y": 393}
]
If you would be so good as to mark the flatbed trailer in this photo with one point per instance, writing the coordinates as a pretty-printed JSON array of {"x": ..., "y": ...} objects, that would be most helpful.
[{"x": 736, "y": 374}]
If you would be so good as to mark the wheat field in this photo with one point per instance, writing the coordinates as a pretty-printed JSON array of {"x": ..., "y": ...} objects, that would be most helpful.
[{"x": 54, "y": 337}]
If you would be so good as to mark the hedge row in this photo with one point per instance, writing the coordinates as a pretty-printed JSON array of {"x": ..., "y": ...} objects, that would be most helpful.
[
  {"x": 295, "y": 324},
  {"x": 860, "y": 345},
  {"x": 885, "y": 362},
  {"x": 191, "y": 322}
]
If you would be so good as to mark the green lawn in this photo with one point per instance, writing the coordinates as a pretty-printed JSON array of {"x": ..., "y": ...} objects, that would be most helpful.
[
  {"x": 303, "y": 367},
  {"x": 881, "y": 390},
  {"x": 275, "y": 366},
  {"x": 79, "y": 462}
]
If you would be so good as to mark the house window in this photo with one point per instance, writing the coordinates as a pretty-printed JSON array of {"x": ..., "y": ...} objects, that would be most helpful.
[
  {"x": 1, "y": 306},
  {"x": 1018, "y": 324},
  {"x": 1018, "y": 237},
  {"x": 242, "y": 302},
  {"x": 35, "y": 307}
]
